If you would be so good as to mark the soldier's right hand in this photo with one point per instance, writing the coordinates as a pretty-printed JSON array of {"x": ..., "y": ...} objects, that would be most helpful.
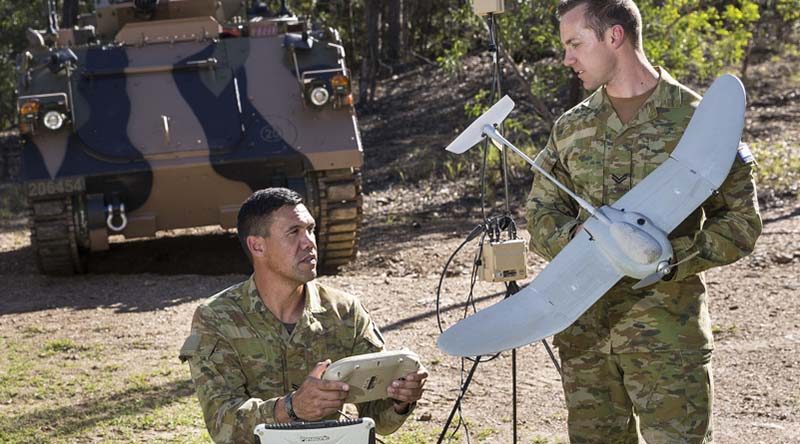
[{"x": 316, "y": 398}]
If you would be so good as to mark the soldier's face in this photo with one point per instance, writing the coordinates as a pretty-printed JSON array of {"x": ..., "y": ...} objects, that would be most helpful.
[
  {"x": 592, "y": 59},
  {"x": 290, "y": 250}
]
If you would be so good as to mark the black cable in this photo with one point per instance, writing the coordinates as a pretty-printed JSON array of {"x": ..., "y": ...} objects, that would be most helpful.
[
  {"x": 493, "y": 228},
  {"x": 552, "y": 357},
  {"x": 472, "y": 235}
]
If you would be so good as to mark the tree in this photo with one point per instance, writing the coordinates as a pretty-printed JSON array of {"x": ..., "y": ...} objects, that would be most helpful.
[
  {"x": 15, "y": 18},
  {"x": 694, "y": 39},
  {"x": 69, "y": 13},
  {"x": 393, "y": 31}
]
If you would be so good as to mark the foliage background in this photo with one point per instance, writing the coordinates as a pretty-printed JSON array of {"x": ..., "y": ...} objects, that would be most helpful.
[{"x": 696, "y": 39}]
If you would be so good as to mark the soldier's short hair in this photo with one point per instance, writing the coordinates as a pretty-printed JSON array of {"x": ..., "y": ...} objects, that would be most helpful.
[
  {"x": 603, "y": 14},
  {"x": 254, "y": 215}
]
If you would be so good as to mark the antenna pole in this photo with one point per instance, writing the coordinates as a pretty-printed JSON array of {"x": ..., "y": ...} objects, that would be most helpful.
[{"x": 492, "y": 132}]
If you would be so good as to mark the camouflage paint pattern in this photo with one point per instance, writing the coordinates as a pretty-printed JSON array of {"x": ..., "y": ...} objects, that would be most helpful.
[
  {"x": 183, "y": 130},
  {"x": 242, "y": 358},
  {"x": 670, "y": 392},
  {"x": 592, "y": 152}
]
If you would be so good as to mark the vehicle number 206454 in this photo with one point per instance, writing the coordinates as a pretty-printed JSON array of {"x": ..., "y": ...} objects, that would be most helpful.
[{"x": 59, "y": 186}]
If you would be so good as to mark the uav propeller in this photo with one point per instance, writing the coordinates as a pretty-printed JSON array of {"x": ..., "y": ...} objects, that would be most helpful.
[
  {"x": 627, "y": 238},
  {"x": 662, "y": 272}
]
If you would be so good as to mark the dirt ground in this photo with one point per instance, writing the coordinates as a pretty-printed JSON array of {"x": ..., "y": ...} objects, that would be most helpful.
[
  {"x": 144, "y": 313},
  {"x": 136, "y": 305}
]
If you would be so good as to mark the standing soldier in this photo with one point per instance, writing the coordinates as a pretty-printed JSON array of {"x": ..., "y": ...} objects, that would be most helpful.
[
  {"x": 257, "y": 350},
  {"x": 638, "y": 361}
]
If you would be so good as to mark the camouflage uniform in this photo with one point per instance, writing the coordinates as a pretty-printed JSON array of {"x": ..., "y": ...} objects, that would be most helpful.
[
  {"x": 649, "y": 350},
  {"x": 243, "y": 359}
]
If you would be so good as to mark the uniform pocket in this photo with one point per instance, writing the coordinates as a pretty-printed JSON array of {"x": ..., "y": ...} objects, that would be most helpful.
[
  {"x": 189, "y": 348},
  {"x": 259, "y": 360},
  {"x": 649, "y": 151}
]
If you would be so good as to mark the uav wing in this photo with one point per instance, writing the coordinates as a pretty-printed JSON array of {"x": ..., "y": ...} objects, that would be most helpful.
[
  {"x": 577, "y": 277},
  {"x": 580, "y": 274},
  {"x": 699, "y": 164}
]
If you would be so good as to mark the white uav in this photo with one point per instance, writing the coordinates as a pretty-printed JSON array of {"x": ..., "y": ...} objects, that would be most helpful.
[{"x": 628, "y": 238}]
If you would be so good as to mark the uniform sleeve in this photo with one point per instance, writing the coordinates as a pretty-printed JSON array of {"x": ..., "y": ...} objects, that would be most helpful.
[
  {"x": 552, "y": 214},
  {"x": 370, "y": 340},
  {"x": 230, "y": 414},
  {"x": 733, "y": 223}
]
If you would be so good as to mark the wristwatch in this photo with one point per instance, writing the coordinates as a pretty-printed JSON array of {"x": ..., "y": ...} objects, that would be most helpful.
[{"x": 287, "y": 404}]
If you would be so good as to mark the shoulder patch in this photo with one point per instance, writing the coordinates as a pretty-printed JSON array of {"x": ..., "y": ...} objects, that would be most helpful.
[{"x": 745, "y": 154}]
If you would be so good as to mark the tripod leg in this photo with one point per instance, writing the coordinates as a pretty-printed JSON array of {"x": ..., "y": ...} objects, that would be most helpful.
[
  {"x": 514, "y": 393},
  {"x": 458, "y": 400}
]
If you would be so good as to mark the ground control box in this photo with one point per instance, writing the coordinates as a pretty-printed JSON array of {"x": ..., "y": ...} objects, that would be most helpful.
[{"x": 504, "y": 261}]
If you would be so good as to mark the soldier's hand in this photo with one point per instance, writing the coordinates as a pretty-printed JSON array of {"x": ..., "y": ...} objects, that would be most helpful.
[
  {"x": 407, "y": 390},
  {"x": 575, "y": 230},
  {"x": 316, "y": 398}
]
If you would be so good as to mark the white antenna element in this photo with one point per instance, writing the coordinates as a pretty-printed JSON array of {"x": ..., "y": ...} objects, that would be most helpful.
[
  {"x": 627, "y": 238},
  {"x": 495, "y": 135}
]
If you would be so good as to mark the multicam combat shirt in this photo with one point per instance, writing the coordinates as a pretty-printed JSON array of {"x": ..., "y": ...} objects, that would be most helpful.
[
  {"x": 242, "y": 359},
  {"x": 593, "y": 153}
]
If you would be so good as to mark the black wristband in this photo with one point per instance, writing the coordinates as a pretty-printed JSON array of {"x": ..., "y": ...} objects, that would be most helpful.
[{"x": 287, "y": 404}]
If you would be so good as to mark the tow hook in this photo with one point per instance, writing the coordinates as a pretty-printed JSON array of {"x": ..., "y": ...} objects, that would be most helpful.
[{"x": 110, "y": 219}]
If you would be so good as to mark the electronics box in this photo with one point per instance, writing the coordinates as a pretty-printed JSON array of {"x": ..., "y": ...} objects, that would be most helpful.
[
  {"x": 485, "y": 7},
  {"x": 504, "y": 261}
]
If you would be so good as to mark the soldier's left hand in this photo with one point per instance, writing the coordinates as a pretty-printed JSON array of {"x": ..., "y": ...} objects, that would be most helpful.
[{"x": 407, "y": 390}]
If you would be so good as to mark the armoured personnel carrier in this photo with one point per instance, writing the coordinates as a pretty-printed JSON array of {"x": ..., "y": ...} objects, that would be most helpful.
[{"x": 161, "y": 114}]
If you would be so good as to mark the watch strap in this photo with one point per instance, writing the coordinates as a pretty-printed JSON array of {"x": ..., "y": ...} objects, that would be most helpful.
[{"x": 287, "y": 403}]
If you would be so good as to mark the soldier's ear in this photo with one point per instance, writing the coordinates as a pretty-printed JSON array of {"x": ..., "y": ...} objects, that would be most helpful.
[
  {"x": 256, "y": 246},
  {"x": 616, "y": 35}
]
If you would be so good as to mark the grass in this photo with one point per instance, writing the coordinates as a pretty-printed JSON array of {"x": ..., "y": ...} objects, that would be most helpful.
[
  {"x": 720, "y": 330},
  {"x": 545, "y": 440},
  {"x": 62, "y": 390},
  {"x": 778, "y": 167},
  {"x": 63, "y": 346},
  {"x": 59, "y": 391},
  {"x": 414, "y": 436}
]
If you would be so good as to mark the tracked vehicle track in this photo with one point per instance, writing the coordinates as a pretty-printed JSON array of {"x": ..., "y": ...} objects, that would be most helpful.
[
  {"x": 337, "y": 202},
  {"x": 54, "y": 236}
]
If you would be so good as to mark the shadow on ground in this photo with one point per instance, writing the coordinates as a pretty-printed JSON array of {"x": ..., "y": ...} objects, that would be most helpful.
[
  {"x": 73, "y": 419},
  {"x": 206, "y": 254}
]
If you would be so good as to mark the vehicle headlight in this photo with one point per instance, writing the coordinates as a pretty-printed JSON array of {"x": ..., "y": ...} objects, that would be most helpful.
[
  {"x": 53, "y": 120},
  {"x": 319, "y": 95}
]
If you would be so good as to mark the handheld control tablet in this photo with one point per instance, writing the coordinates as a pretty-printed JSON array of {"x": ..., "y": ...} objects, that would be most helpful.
[{"x": 369, "y": 375}]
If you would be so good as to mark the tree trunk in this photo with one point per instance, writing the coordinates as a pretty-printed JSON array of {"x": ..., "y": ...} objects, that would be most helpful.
[
  {"x": 575, "y": 93},
  {"x": 369, "y": 65},
  {"x": 69, "y": 13},
  {"x": 393, "y": 33}
]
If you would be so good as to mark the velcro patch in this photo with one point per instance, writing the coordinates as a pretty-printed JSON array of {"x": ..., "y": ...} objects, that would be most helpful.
[{"x": 745, "y": 154}]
